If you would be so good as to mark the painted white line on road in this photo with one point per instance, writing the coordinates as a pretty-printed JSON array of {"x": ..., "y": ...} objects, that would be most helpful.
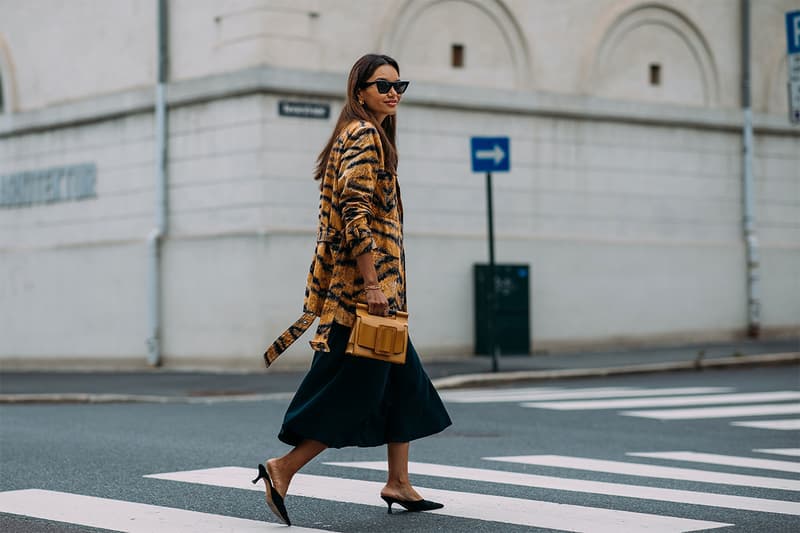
[
  {"x": 792, "y": 452},
  {"x": 664, "y": 472},
  {"x": 485, "y": 507},
  {"x": 517, "y": 395},
  {"x": 595, "y": 487},
  {"x": 727, "y": 460},
  {"x": 667, "y": 402},
  {"x": 507, "y": 391},
  {"x": 604, "y": 392},
  {"x": 718, "y": 412},
  {"x": 120, "y": 515},
  {"x": 789, "y": 424}
]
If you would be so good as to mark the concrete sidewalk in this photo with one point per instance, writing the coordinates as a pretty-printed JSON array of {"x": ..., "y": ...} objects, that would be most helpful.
[{"x": 168, "y": 386}]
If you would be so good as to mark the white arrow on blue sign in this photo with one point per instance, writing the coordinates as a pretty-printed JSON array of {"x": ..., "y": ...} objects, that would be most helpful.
[{"x": 491, "y": 154}]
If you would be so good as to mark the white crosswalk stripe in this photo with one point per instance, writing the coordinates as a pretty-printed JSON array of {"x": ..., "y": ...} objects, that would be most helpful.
[
  {"x": 717, "y": 412},
  {"x": 791, "y": 424},
  {"x": 791, "y": 452},
  {"x": 595, "y": 487},
  {"x": 729, "y": 460},
  {"x": 667, "y": 402},
  {"x": 537, "y": 394},
  {"x": 505, "y": 390},
  {"x": 645, "y": 470},
  {"x": 517, "y": 511},
  {"x": 119, "y": 515}
]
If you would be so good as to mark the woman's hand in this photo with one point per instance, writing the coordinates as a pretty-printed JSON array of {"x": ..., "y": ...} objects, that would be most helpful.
[{"x": 377, "y": 302}]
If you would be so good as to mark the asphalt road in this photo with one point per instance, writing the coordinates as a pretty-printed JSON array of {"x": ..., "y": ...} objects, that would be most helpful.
[{"x": 106, "y": 450}]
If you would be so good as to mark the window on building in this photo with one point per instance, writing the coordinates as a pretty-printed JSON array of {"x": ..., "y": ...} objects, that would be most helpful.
[
  {"x": 457, "y": 56},
  {"x": 655, "y": 74}
]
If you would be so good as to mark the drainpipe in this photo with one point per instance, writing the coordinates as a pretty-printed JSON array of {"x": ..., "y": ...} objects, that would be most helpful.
[
  {"x": 157, "y": 234},
  {"x": 748, "y": 220}
]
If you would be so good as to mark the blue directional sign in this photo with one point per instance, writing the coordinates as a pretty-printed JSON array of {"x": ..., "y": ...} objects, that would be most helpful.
[
  {"x": 793, "y": 32},
  {"x": 491, "y": 154}
]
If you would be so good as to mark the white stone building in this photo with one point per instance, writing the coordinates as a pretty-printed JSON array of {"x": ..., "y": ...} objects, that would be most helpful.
[{"x": 624, "y": 194}]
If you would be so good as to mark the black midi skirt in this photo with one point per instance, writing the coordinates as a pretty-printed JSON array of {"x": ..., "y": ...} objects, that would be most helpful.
[{"x": 355, "y": 401}]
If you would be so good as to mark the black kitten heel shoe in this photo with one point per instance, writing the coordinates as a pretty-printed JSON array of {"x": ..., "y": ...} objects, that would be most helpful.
[
  {"x": 274, "y": 499},
  {"x": 413, "y": 506}
]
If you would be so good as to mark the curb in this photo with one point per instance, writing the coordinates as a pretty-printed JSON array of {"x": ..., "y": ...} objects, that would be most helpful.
[
  {"x": 82, "y": 397},
  {"x": 488, "y": 378}
]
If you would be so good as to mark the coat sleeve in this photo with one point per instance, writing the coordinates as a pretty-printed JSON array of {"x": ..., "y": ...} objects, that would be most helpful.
[{"x": 360, "y": 163}]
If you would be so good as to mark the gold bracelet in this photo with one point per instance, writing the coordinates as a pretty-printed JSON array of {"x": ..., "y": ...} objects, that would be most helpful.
[{"x": 372, "y": 288}]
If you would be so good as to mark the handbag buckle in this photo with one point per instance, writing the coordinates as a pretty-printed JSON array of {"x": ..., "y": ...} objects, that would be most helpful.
[{"x": 384, "y": 340}]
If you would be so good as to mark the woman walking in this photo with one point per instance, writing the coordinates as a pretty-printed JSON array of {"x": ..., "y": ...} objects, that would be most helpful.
[{"x": 359, "y": 258}]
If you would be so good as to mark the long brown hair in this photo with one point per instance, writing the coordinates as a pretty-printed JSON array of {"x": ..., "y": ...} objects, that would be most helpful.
[{"x": 352, "y": 110}]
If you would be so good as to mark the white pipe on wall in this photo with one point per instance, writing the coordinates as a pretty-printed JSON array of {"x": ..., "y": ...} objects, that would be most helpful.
[
  {"x": 748, "y": 219},
  {"x": 157, "y": 234}
]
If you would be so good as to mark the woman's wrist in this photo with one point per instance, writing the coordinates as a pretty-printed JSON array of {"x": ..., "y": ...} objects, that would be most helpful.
[{"x": 372, "y": 287}]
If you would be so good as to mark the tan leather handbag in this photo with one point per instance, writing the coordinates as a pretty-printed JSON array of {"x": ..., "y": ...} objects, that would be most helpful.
[{"x": 379, "y": 337}]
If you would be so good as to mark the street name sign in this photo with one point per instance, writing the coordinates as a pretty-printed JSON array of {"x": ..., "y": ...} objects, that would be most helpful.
[
  {"x": 491, "y": 154},
  {"x": 288, "y": 108},
  {"x": 793, "y": 64}
]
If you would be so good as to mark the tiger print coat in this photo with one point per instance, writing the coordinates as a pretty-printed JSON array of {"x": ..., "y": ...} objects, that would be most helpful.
[{"x": 360, "y": 210}]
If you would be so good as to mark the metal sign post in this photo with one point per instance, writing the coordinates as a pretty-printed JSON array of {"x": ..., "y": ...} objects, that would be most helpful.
[
  {"x": 493, "y": 346},
  {"x": 793, "y": 64},
  {"x": 491, "y": 154}
]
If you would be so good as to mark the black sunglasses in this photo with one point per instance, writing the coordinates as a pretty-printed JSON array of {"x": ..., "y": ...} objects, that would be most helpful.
[{"x": 383, "y": 86}]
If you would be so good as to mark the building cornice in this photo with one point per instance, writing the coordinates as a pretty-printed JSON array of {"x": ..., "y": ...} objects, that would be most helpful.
[{"x": 325, "y": 85}]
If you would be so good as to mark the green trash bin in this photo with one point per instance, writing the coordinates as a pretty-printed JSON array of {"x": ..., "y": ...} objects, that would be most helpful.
[{"x": 512, "y": 322}]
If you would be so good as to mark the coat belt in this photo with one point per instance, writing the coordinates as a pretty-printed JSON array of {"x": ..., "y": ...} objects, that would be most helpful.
[{"x": 287, "y": 338}]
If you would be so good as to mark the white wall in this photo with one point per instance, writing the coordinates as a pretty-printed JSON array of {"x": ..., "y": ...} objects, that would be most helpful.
[
  {"x": 123, "y": 152},
  {"x": 62, "y": 51},
  {"x": 73, "y": 304},
  {"x": 72, "y": 281}
]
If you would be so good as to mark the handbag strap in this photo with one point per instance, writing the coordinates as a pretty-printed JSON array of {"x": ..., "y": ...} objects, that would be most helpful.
[{"x": 287, "y": 338}]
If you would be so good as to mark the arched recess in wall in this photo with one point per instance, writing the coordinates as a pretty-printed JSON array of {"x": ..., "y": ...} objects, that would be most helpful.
[
  {"x": 427, "y": 36},
  {"x": 777, "y": 91},
  {"x": 650, "y": 52},
  {"x": 7, "y": 94}
]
